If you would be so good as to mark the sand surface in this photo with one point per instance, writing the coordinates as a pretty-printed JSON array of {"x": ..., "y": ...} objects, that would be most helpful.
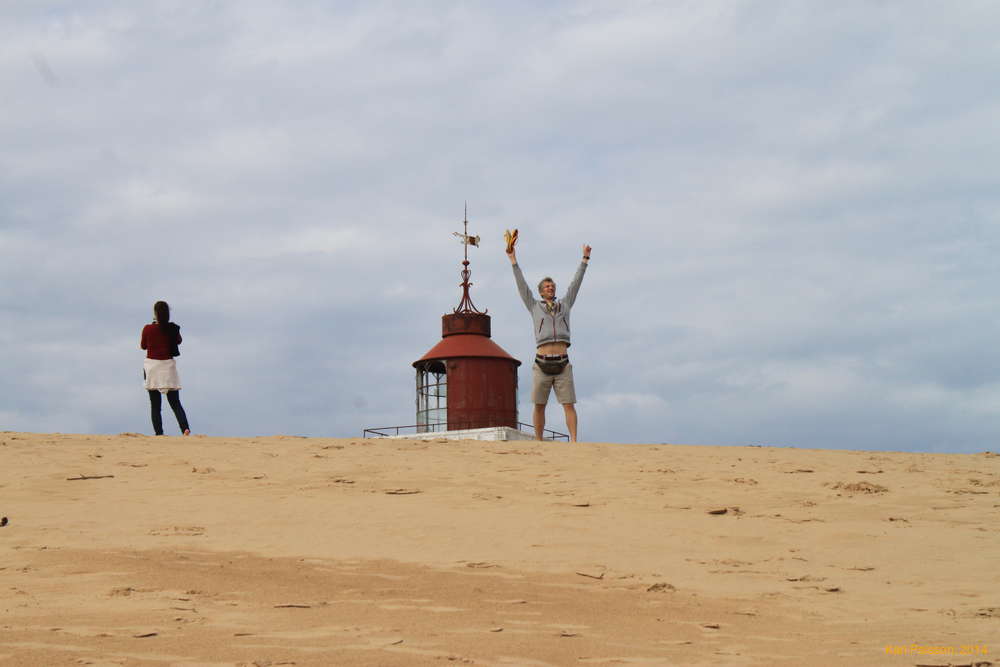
[{"x": 294, "y": 551}]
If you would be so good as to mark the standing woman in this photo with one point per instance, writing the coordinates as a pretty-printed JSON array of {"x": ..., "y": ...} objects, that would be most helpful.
[{"x": 160, "y": 340}]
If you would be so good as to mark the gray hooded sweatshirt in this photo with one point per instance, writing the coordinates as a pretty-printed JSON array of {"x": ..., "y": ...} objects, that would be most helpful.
[{"x": 551, "y": 325}]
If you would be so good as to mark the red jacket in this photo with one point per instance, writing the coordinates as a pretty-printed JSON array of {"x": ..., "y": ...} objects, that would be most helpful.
[{"x": 159, "y": 344}]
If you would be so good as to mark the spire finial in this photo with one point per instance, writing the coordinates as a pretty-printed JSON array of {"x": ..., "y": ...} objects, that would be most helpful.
[{"x": 466, "y": 305}]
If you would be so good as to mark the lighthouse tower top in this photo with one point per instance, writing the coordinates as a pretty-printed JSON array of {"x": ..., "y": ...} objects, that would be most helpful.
[{"x": 466, "y": 331}]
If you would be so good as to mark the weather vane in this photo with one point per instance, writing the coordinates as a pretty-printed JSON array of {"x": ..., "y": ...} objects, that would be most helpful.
[
  {"x": 466, "y": 305},
  {"x": 464, "y": 238}
]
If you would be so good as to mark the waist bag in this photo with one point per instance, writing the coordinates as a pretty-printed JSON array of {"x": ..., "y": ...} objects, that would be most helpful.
[{"x": 552, "y": 365}]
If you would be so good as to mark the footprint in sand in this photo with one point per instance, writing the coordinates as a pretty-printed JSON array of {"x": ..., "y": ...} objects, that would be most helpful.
[
  {"x": 178, "y": 531},
  {"x": 736, "y": 511},
  {"x": 661, "y": 587},
  {"x": 858, "y": 487}
]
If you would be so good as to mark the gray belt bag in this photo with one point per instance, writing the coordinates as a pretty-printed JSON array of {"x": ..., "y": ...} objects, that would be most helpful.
[{"x": 551, "y": 365}]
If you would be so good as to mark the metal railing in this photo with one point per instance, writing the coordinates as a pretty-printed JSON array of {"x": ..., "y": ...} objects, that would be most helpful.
[{"x": 430, "y": 429}]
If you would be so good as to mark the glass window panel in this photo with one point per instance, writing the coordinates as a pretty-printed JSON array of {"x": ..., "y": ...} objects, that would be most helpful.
[{"x": 432, "y": 403}]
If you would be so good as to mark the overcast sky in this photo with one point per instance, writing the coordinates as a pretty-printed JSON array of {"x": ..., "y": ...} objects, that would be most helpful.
[{"x": 793, "y": 208}]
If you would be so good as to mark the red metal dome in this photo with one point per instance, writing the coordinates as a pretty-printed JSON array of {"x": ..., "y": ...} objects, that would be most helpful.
[{"x": 466, "y": 345}]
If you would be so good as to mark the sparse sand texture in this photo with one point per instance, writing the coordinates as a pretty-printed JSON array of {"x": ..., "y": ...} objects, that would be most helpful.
[{"x": 134, "y": 550}]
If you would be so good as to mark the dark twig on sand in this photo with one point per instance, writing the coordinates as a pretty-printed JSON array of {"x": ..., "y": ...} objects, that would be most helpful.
[{"x": 73, "y": 479}]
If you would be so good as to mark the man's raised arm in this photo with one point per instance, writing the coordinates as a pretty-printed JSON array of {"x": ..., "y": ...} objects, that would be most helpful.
[
  {"x": 527, "y": 296},
  {"x": 574, "y": 285}
]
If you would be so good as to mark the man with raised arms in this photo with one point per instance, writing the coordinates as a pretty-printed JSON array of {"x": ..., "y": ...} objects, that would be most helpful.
[{"x": 550, "y": 317}]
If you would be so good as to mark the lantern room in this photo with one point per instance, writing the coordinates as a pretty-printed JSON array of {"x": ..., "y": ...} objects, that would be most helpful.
[{"x": 466, "y": 381}]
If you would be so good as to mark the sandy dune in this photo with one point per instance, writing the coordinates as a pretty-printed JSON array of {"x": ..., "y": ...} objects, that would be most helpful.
[{"x": 134, "y": 550}]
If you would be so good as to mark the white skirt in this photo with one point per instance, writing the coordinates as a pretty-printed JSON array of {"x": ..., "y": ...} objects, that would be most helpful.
[{"x": 161, "y": 374}]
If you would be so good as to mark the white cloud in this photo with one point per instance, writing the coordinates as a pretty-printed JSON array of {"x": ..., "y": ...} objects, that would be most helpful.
[{"x": 791, "y": 207}]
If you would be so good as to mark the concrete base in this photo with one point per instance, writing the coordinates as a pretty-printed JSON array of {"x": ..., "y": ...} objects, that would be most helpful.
[{"x": 496, "y": 433}]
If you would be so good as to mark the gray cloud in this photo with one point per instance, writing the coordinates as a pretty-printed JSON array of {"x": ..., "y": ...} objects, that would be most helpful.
[{"x": 791, "y": 207}]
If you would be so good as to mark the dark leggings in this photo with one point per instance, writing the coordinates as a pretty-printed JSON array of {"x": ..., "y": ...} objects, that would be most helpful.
[{"x": 174, "y": 399}]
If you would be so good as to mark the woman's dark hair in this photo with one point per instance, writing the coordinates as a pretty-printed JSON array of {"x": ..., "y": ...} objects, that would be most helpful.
[{"x": 162, "y": 312}]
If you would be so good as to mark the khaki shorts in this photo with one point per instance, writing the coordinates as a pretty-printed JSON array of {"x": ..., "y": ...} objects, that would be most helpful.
[{"x": 541, "y": 384}]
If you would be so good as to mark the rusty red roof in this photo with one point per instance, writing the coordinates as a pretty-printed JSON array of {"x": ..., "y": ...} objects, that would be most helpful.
[{"x": 466, "y": 345}]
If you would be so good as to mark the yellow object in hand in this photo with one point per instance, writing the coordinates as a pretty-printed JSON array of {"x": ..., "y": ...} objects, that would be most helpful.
[{"x": 511, "y": 239}]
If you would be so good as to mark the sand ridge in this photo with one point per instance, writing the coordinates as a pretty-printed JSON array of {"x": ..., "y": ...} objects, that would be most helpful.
[{"x": 131, "y": 549}]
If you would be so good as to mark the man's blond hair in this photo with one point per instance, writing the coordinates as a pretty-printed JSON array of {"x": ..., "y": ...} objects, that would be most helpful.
[{"x": 544, "y": 280}]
